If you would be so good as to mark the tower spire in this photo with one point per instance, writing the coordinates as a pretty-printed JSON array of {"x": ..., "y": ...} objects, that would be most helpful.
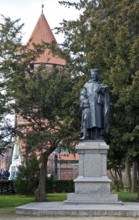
[
  {"x": 43, "y": 33},
  {"x": 42, "y": 8}
]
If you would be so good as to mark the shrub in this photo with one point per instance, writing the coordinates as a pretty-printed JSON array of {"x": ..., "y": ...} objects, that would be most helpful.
[
  {"x": 27, "y": 177},
  {"x": 50, "y": 183}
]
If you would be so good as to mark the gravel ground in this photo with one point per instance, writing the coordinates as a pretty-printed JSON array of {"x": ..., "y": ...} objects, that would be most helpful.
[{"x": 20, "y": 217}]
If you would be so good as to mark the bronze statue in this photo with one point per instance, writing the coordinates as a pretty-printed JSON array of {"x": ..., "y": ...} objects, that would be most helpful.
[{"x": 94, "y": 101}]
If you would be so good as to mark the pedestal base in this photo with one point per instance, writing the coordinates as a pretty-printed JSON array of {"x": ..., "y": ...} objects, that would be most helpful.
[
  {"x": 93, "y": 198},
  {"x": 92, "y": 186}
]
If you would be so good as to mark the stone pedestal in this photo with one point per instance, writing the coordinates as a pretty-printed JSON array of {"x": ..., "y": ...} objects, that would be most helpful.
[{"x": 92, "y": 186}]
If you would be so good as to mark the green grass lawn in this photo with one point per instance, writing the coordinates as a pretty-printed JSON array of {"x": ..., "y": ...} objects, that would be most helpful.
[
  {"x": 14, "y": 200},
  {"x": 9, "y": 202},
  {"x": 55, "y": 197},
  {"x": 127, "y": 197},
  {"x": 18, "y": 200}
]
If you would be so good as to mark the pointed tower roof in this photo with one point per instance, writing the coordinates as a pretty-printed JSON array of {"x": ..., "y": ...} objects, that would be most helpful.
[{"x": 43, "y": 33}]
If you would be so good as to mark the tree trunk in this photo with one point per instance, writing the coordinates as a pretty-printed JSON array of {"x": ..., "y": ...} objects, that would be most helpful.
[
  {"x": 137, "y": 177},
  {"x": 128, "y": 174},
  {"x": 116, "y": 182},
  {"x": 40, "y": 193},
  {"x": 134, "y": 178},
  {"x": 120, "y": 178}
]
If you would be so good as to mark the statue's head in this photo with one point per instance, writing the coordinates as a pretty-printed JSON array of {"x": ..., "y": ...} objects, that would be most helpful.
[{"x": 94, "y": 74}]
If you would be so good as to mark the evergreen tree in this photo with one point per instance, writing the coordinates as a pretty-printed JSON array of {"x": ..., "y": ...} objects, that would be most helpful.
[
  {"x": 10, "y": 40},
  {"x": 106, "y": 36},
  {"x": 43, "y": 101},
  {"x": 40, "y": 97}
]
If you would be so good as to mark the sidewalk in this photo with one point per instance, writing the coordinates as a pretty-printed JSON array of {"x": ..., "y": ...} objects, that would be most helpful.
[{"x": 18, "y": 217}]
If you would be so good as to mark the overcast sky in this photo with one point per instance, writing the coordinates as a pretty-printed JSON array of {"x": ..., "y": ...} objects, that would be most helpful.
[{"x": 30, "y": 10}]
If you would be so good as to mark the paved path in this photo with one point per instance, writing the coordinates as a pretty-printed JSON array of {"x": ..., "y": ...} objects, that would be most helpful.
[{"x": 18, "y": 217}]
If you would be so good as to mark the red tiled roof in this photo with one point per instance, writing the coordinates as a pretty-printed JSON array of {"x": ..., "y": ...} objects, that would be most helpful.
[
  {"x": 43, "y": 33},
  {"x": 69, "y": 156}
]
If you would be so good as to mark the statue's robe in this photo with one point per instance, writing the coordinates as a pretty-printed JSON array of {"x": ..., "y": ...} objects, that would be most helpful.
[{"x": 97, "y": 111}]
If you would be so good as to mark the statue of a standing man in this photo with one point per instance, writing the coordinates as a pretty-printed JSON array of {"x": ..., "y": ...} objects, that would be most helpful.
[{"x": 94, "y": 101}]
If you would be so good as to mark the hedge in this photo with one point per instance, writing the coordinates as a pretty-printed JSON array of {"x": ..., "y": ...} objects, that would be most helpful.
[
  {"x": 59, "y": 186},
  {"x": 63, "y": 186},
  {"x": 6, "y": 187},
  {"x": 9, "y": 186}
]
